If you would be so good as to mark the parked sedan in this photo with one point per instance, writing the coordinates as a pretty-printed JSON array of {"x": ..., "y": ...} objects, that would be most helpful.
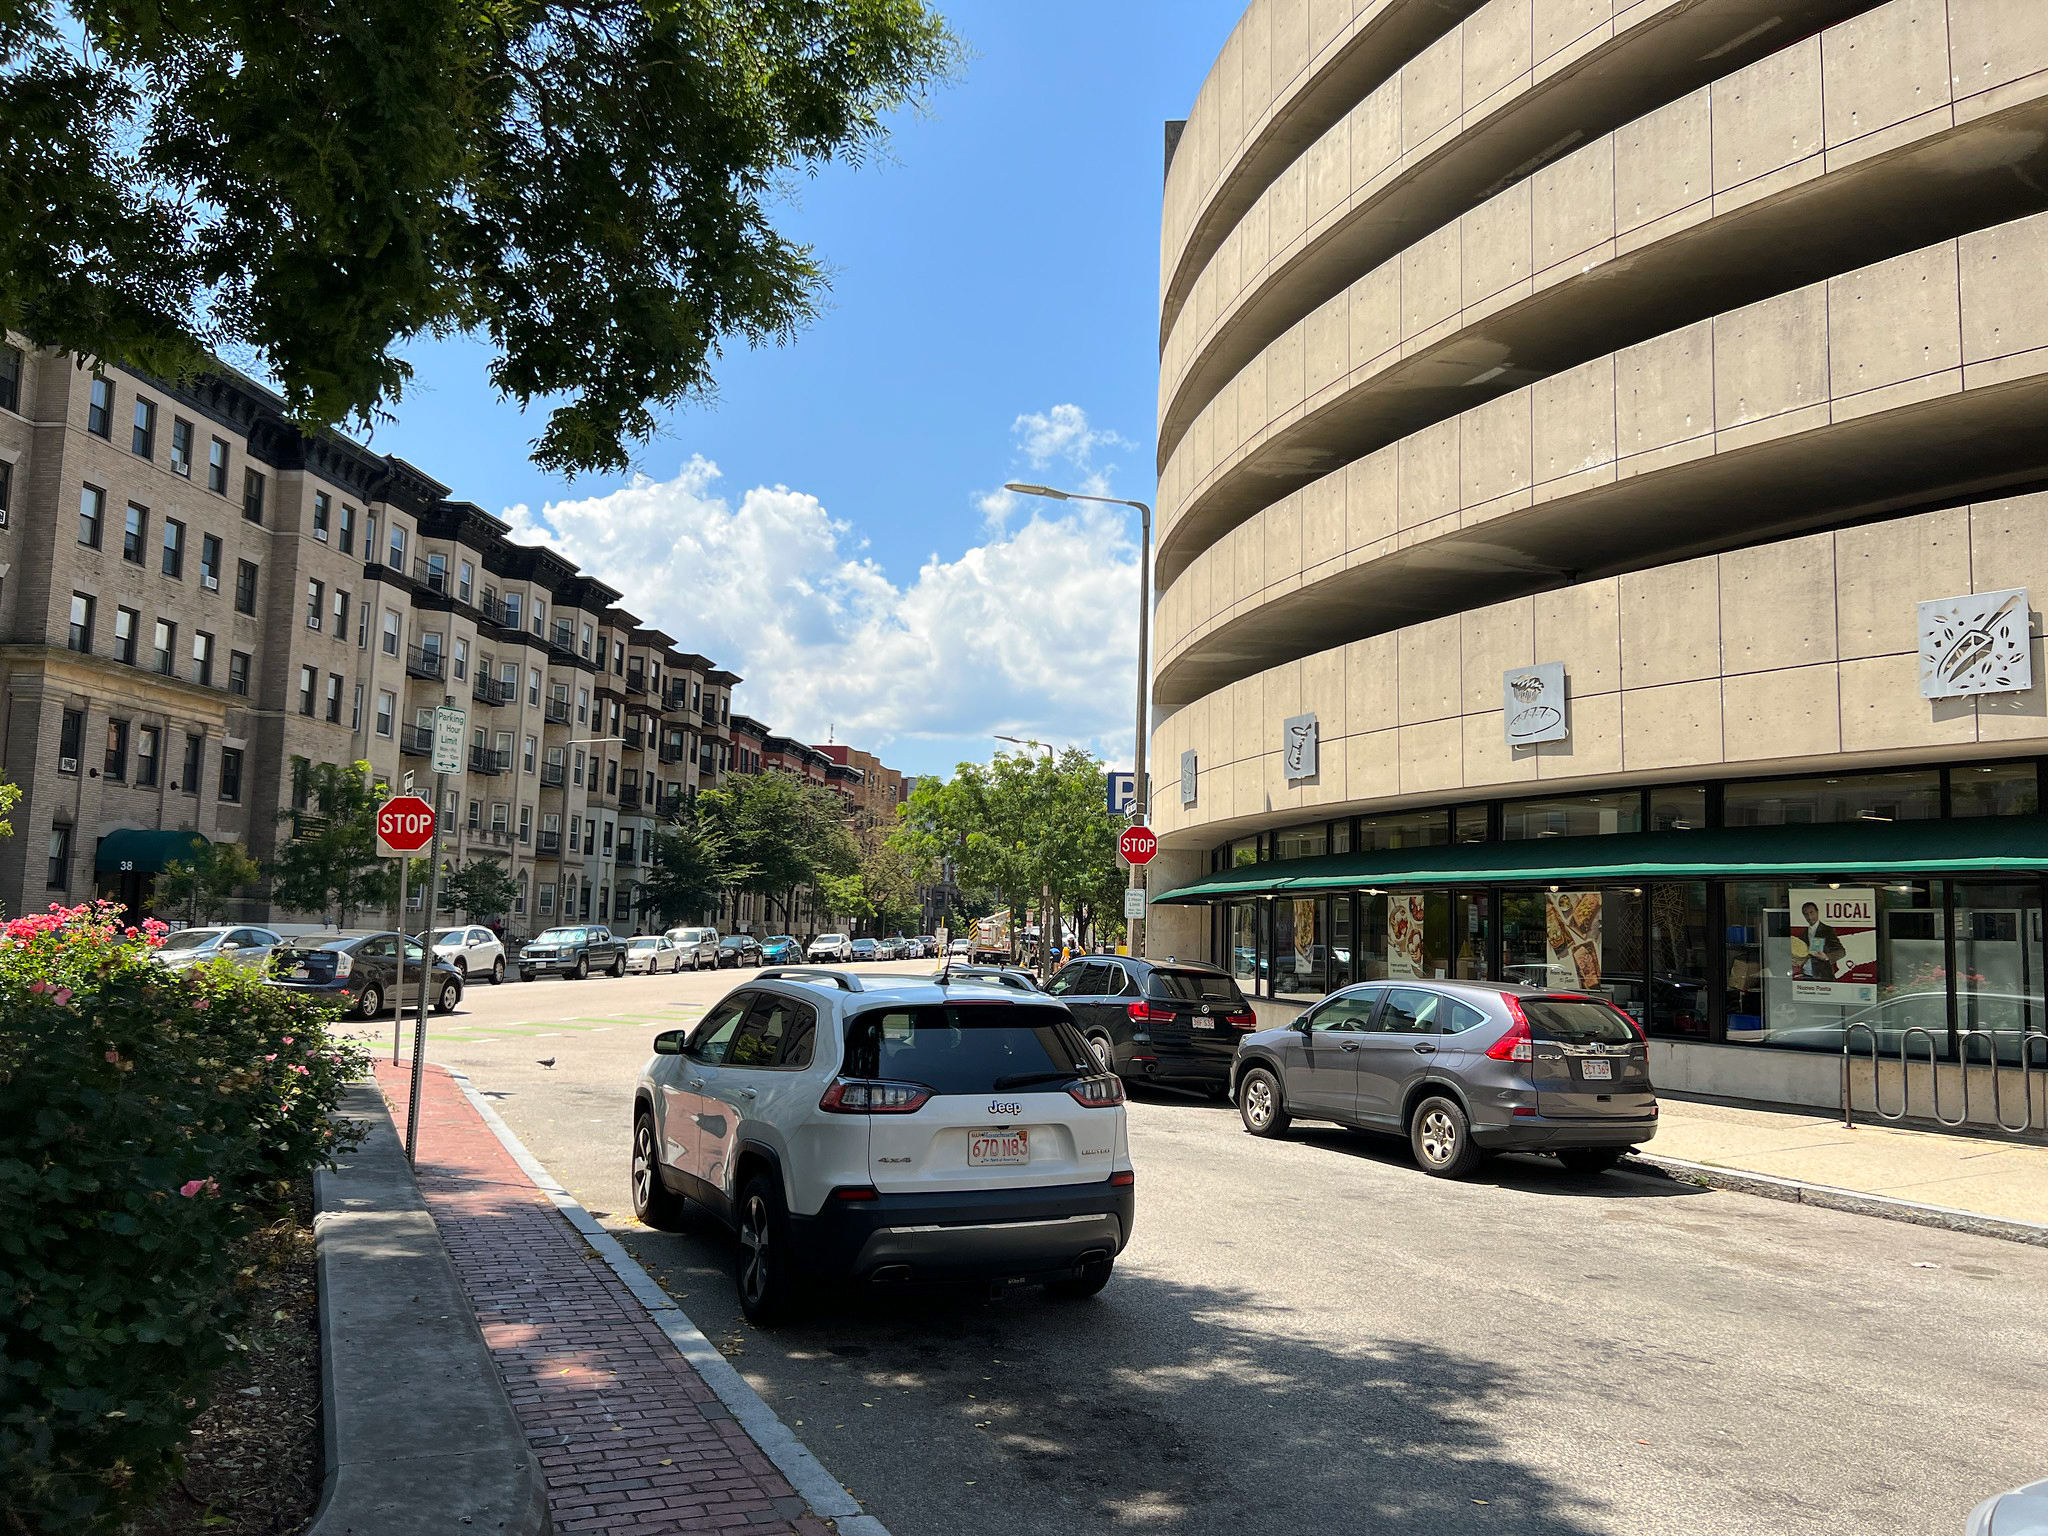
[
  {"x": 831, "y": 948},
  {"x": 865, "y": 950},
  {"x": 653, "y": 953},
  {"x": 781, "y": 949},
  {"x": 362, "y": 971},
  {"x": 247, "y": 947},
  {"x": 739, "y": 949},
  {"x": 1460, "y": 1069}
]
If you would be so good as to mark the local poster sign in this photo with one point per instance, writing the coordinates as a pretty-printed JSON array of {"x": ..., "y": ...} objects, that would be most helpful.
[
  {"x": 1571, "y": 939},
  {"x": 1404, "y": 936},
  {"x": 1834, "y": 944}
]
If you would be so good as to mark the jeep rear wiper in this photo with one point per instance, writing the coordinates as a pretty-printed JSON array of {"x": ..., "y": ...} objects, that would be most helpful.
[{"x": 1024, "y": 1079}]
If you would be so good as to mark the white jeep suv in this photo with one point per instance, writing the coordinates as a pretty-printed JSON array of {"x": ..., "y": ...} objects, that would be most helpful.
[{"x": 865, "y": 1130}]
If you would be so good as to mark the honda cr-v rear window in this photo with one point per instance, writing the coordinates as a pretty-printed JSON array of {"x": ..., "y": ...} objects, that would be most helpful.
[
  {"x": 967, "y": 1048},
  {"x": 1194, "y": 987},
  {"x": 1571, "y": 1022}
]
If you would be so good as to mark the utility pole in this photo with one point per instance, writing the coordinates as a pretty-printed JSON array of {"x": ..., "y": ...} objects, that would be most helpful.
[{"x": 419, "y": 1032}]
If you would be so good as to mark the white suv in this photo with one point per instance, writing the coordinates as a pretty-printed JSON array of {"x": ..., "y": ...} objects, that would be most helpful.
[
  {"x": 884, "y": 1133},
  {"x": 832, "y": 948}
]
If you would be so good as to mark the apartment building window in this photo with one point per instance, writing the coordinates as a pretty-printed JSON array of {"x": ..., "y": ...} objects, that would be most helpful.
[
  {"x": 476, "y": 807},
  {"x": 209, "y": 562},
  {"x": 99, "y": 410},
  {"x": 6, "y": 490},
  {"x": 238, "y": 673},
  {"x": 533, "y": 687},
  {"x": 252, "y": 496},
  {"x": 586, "y": 642},
  {"x": 143, "y": 440},
  {"x": 604, "y": 903},
  {"x": 316, "y": 603},
  {"x": 347, "y": 541},
  {"x": 387, "y": 707},
  {"x": 59, "y": 875},
  {"x": 92, "y": 515},
  {"x": 531, "y": 754},
  {"x": 526, "y": 824},
  {"x": 70, "y": 741},
  {"x": 231, "y": 774},
  {"x": 540, "y": 616},
  {"x": 575, "y": 834},
  {"x": 309, "y": 684},
  {"x": 611, "y": 777},
  {"x": 461, "y": 660},
  {"x": 390, "y": 641},
  {"x": 512, "y": 610},
  {"x": 116, "y": 765},
  {"x": 362, "y": 629},
  {"x": 245, "y": 586},
  {"x": 609, "y": 828},
  {"x": 583, "y": 706},
  {"x": 217, "y": 466},
  {"x": 437, "y": 572},
  {"x": 146, "y": 739},
  {"x": 397, "y": 547},
  {"x": 125, "y": 620},
  {"x": 334, "y": 698},
  {"x": 166, "y": 637},
  {"x": 619, "y": 658},
  {"x": 547, "y": 898},
  {"x": 174, "y": 548},
  {"x": 188, "y": 776},
  {"x": 355, "y": 709},
  {"x": 202, "y": 658},
  {"x": 504, "y": 749},
  {"x": 369, "y": 538},
  {"x": 501, "y": 817},
  {"x": 465, "y": 580},
  {"x": 323, "y": 512},
  {"x": 181, "y": 447},
  {"x": 302, "y": 795},
  {"x": 576, "y": 770},
  {"x": 10, "y": 378},
  {"x": 340, "y": 615},
  {"x": 508, "y": 681},
  {"x": 134, "y": 533}
]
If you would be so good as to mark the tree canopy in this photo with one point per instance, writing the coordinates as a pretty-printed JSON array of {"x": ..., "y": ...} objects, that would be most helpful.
[
  {"x": 481, "y": 888},
  {"x": 202, "y": 883},
  {"x": 586, "y": 184},
  {"x": 331, "y": 863}
]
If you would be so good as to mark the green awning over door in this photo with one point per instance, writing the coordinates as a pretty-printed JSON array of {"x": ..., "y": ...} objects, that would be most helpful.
[
  {"x": 1973, "y": 845},
  {"x": 142, "y": 852}
]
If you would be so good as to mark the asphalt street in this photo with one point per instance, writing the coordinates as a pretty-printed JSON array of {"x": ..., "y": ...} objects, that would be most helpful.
[{"x": 1310, "y": 1336}]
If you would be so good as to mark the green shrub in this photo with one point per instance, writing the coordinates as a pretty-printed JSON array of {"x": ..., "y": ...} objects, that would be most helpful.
[{"x": 149, "y": 1119}]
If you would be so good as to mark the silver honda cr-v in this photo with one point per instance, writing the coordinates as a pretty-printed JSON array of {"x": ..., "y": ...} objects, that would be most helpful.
[{"x": 1462, "y": 1069}]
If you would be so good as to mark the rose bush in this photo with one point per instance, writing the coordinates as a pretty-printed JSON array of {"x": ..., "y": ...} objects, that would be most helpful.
[{"x": 149, "y": 1120}]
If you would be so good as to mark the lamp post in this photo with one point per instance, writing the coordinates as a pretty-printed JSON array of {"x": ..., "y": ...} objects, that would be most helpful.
[
  {"x": 1044, "y": 891},
  {"x": 1142, "y": 807}
]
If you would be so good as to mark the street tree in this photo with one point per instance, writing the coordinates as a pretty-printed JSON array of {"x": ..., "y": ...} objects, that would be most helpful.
[
  {"x": 584, "y": 184},
  {"x": 330, "y": 862},
  {"x": 204, "y": 882},
  {"x": 683, "y": 873},
  {"x": 479, "y": 889},
  {"x": 777, "y": 837}
]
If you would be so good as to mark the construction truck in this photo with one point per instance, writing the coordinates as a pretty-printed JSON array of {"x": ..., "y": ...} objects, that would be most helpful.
[{"x": 990, "y": 941}]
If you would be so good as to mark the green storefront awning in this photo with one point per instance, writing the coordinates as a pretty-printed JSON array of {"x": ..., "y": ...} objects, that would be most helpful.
[
  {"x": 143, "y": 852},
  {"x": 1973, "y": 845}
]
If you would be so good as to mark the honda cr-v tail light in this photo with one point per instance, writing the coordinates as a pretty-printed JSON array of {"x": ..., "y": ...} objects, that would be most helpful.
[{"x": 1517, "y": 1044}]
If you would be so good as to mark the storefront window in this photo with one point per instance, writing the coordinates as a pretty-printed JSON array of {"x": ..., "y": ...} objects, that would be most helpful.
[
  {"x": 1244, "y": 946},
  {"x": 1244, "y": 851},
  {"x": 1340, "y": 836},
  {"x": 1343, "y": 935},
  {"x": 1404, "y": 829},
  {"x": 1572, "y": 816},
  {"x": 1678, "y": 960},
  {"x": 1302, "y": 842},
  {"x": 1299, "y": 947},
  {"x": 1469, "y": 824},
  {"x": 1369, "y": 953},
  {"x": 1993, "y": 789},
  {"x": 1911, "y": 796},
  {"x": 1678, "y": 807},
  {"x": 1808, "y": 961},
  {"x": 1582, "y": 939},
  {"x": 1471, "y": 935},
  {"x": 1998, "y": 967}
]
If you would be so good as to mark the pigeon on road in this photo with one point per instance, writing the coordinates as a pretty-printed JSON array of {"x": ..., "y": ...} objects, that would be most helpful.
[{"x": 547, "y": 1061}]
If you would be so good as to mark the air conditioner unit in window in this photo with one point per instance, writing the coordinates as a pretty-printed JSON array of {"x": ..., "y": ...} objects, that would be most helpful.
[
  {"x": 320, "y": 534},
  {"x": 211, "y": 583},
  {"x": 313, "y": 622},
  {"x": 67, "y": 765}
]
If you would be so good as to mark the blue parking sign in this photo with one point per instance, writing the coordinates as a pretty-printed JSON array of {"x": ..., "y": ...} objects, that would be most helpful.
[{"x": 1123, "y": 793}]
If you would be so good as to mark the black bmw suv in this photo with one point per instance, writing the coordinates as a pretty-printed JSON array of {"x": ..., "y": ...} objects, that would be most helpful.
[{"x": 1158, "y": 1021}]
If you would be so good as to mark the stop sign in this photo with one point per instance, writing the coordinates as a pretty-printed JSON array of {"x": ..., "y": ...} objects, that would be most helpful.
[
  {"x": 1137, "y": 845},
  {"x": 405, "y": 823}
]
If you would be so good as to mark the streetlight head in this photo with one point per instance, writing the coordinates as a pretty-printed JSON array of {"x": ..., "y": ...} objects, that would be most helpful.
[{"x": 1036, "y": 490}]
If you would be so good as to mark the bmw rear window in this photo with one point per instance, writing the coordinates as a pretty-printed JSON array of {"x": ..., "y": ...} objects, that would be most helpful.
[
  {"x": 1195, "y": 987},
  {"x": 968, "y": 1047},
  {"x": 1574, "y": 1021}
]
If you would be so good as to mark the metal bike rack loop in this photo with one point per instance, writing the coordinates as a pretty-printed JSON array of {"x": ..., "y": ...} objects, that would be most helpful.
[{"x": 2031, "y": 1044}]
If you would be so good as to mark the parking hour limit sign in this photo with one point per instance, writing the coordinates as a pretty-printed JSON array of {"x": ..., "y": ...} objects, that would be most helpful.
[
  {"x": 405, "y": 824},
  {"x": 1137, "y": 845}
]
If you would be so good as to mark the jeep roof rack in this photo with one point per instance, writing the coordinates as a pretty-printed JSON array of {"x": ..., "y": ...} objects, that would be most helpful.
[{"x": 845, "y": 980}]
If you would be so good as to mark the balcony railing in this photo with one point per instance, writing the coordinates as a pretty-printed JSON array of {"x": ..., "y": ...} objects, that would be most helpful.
[
  {"x": 551, "y": 775},
  {"x": 550, "y": 842},
  {"x": 490, "y": 691},
  {"x": 488, "y": 760},
  {"x": 491, "y": 837},
  {"x": 556, "y": 711},
  {"x": 435, "y": 578},
  {"x": 422, "y": 661},
  {"x": 629, "y": 797},
  {"x": 632, "y": 737},
  {"x": 416, "y": 740},
  {"x": 628, "y": 855},
  {"x": 674, "y": 752},
  {"x": 671, "y": 803},
  {"x": 636, "y": 680}
]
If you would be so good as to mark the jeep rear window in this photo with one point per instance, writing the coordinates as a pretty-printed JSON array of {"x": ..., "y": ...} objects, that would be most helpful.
[
  {"x": 968, "y": 1048},
  {"x": 1569, "y": 1021},
  {"x": 1194, "y": 987}
]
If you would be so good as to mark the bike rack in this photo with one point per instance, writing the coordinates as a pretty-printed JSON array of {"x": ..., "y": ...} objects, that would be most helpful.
[{"x": 2029, "y": 1042}]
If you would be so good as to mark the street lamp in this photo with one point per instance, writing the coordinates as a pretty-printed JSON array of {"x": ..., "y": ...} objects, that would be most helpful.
[
  {"x": 1142, "y": 806},
  {"x": 1026, "y": 741}
]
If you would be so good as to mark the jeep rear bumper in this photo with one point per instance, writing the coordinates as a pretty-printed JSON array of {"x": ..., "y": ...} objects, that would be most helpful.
[{"x": 1005, "y": 1234}]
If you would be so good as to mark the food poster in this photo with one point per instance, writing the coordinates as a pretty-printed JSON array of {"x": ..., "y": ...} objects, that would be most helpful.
[
  {"x": 1404, "y": 936},
  {"x": 1571, "y": 939},
  {"x": 1832, "y": 947},
  {"x": 1305, "y": 938}
]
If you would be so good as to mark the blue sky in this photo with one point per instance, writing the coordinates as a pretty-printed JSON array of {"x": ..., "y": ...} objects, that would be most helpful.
[{"x": 993, "y": 315}]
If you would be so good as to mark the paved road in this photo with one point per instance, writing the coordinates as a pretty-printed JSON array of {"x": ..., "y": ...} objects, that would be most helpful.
[{"x": 1309, "y": 1336}]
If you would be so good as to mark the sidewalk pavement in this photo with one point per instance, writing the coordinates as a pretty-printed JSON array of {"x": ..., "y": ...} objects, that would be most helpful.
[
  {"x": 1984, "y": 1175},
  {"x": 628, "y": 1436}
]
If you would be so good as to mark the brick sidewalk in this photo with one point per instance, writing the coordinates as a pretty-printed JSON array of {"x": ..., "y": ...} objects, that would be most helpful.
[{"x": 628, "y": 1436}]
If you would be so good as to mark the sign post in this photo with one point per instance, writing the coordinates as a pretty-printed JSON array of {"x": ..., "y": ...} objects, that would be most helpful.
[
  {"x": 400, "y": 834},
  {"x": 449, "y": 724}
]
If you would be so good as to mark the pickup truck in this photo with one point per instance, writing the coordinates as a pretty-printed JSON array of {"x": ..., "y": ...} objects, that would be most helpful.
[{"x": 573, "y": 950}]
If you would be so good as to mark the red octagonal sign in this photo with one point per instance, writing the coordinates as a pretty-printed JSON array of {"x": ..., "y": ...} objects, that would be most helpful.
[
  {"x": 405, "y": 823},
  {"x": 1137, "y": 845}
]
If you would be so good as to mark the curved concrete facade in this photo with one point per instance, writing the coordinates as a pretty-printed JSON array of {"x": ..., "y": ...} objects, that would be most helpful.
[{"x": 1689, "y": 345}]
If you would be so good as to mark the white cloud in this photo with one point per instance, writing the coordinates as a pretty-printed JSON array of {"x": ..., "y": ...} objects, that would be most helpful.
[
  {"x": 1062, "y": 433},
  {"x": 1030, "y": 633}
]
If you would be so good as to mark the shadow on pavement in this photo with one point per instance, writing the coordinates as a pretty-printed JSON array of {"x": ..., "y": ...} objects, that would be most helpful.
[
  {"x": 1159, "y": 1407},
  {"x": 1527, "y": 1173}
]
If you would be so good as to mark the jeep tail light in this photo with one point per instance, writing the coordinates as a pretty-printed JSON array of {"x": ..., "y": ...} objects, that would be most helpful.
[
  {"x": 867, "y": 1096},
  {"x": 1142, "y": 1012},
  {"x": 1517, "y": 1044},
  {"x": 856, "y": 1192},
  {"x": 1105, "y": 1090},
  {"x": 1123, "y": 1179}
]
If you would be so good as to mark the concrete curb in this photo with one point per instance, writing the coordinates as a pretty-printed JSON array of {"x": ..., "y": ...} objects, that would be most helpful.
[
  {"x": 825, "y": 1494},
  {"x": 420, "y": 1438},
  {"x": 1828, "y": 1197}
]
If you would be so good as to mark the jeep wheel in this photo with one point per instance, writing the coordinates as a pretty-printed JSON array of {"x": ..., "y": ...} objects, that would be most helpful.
[
  {"x": 654, "y": 1204},
  {"x": 765, "y": 1269}
]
